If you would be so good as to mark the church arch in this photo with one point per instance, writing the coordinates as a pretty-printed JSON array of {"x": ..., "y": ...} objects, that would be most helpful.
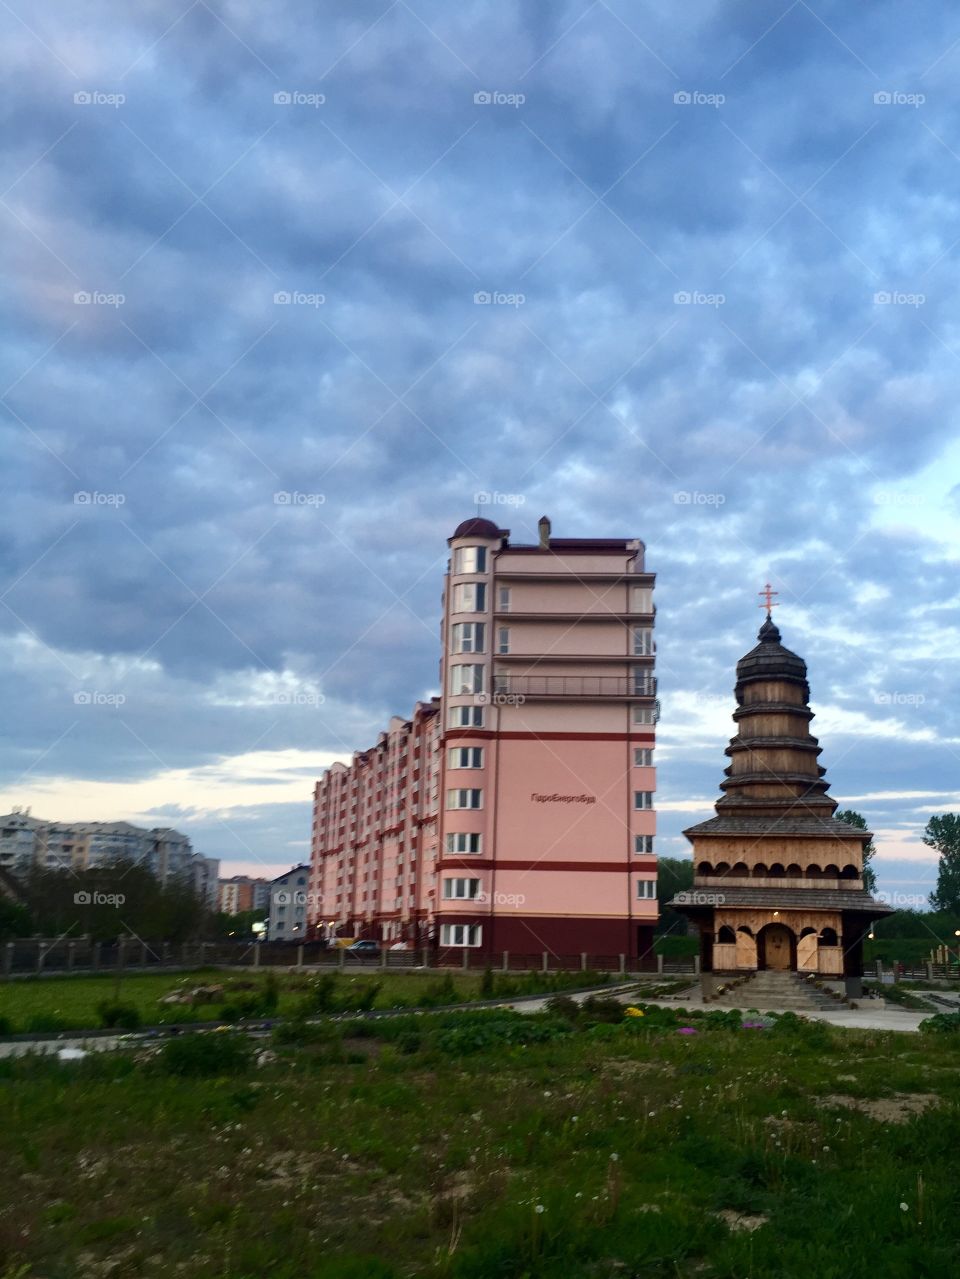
[
  {"x": 831, "y": 871},
  {"x": 808, "y": 932},
  {"x": 849, "y": 872},
  {"x": 776, "y": 871},
  {"x": 794, "y": 871},
  {"x": 726, "y": 936},
  {"x": 814, "y": 871},
  {"x": 741, "y": 869},
  {"x": 760, "y": 871},
  {"x": 828, "y": 937},
  {"x": 723, "y": 868},
  {"x": 704, "y": 868}
]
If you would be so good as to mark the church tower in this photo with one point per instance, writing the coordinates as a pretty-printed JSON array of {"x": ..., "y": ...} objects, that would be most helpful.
[{"x": 778, "y": 879}]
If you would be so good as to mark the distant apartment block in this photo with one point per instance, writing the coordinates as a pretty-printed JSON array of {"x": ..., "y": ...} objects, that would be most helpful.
[
  {"x": 27, "y": 842},
  {"x": 287, "y": 913},
  {"x": 241, "y": 893},
  {"x": 515, "y": 812}
]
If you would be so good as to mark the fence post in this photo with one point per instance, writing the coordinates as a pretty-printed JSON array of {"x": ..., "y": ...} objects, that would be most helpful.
[
  {"x": 165, "y": 954},
  {"x": 879, "y": 969},
  {"x": 929, "y": 968},
  {"x": 545, "y": 962},
  {"x": 300, "y": 955},
  {"x": 143, "y": 954},
  {"x": 623, "y": 963},
  {"x": 583, "y": 961},
  {"x": 8, "y": 959},
  {"x": 39, "y": 956},
  {"x": 95, "y": 955},
  {"x": 465, "y": 961},
  {"x": 696, "y": 965},
  {"x": 343, "y": 956},
  {"x": 121, "y": 953},
  {"x": 383, "y": 956},
  {"x": 256, "y": 954},
  {"x": 425, "y": 957},
  {"x": 71, "y": 951},
  {"x": 505, "y": 962}
]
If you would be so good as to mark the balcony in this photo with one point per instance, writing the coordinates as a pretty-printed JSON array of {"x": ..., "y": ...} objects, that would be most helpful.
[{"x": 584, "y": 687}]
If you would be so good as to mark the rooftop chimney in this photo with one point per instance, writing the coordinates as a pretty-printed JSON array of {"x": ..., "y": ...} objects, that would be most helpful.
[{"x": 544, "y": 527}]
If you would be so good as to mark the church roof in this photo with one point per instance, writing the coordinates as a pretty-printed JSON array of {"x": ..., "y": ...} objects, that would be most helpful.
[
  {"x": 852, "y": 899},
  {"x": 770, "y": 660},
  {"x": 796, "y": 823}
]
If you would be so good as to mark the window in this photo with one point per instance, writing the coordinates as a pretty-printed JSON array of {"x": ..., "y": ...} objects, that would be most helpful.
[
  {"x": 466, "y": 679},
  {"x": 503, "y": 639},
  {"x": 468, "y": 637},
  {"x": 465, "y": 717},
  {"x": 642, "y": 641},
  {"x": 646, "y": 889},
  {"x": 466, "y": 757},
  {"x": 463, "y": 842},
  {"x": 461, "y": 889},
  {"x": 503, "y": 599},
  {"x": 469, "y": 597},
  {"x": 461, "y": 935},
  {"x": 641, "y": 599},
  {"x": 643, "y": 715},
  {"x": 642, "y": 757},
  {"x": 470, "y": 559},
  {"x": 642, "y": 681},
  {"x": 643, "y": 799},
  {"x": 464, "y": 799},
  {"x": 643, "y": 844}
]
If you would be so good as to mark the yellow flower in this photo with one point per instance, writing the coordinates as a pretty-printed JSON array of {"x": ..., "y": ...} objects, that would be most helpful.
[{"x": 634, "y": 1012}]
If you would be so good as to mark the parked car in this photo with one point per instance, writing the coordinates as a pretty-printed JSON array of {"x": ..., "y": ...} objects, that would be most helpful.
[{"x": 364, "y": 947}]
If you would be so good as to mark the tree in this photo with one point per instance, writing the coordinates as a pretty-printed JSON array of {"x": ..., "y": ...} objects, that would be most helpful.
[
  {"x": 14, "y": 920},
  {"x": 853, "y": 818},
  {"x": 674, "y": 875},
  {"x": 943, "y": 834}
]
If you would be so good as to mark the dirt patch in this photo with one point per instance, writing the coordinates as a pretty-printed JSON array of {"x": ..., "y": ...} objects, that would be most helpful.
[
  {"x": 742, "y": 1220},
  {"x": 887, "y": 1110}
]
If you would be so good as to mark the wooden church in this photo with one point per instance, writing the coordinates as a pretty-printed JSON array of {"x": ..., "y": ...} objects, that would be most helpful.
[{"x": 778, "y": 879}]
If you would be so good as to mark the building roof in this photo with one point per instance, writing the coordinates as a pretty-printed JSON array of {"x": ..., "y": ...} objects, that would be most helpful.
[
  {"x": 479, "y": 527},
  {"x": 856, "y": 899},
  {"x": 790, "y": 823}
]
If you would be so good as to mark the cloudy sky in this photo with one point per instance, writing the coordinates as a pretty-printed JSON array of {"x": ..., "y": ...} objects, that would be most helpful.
[{"x": 249, "y": 388}]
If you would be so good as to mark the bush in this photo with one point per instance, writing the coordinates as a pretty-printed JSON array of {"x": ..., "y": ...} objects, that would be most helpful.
[
  {"x": 6, "y": 1026},
  {"x": 479, "y": 1032},
  {"x": 214, "y": 1053},
  {"x": 439, "y": 993},
  {"x": 487, "y": 984},
  {"x": 114, "y": 1014},
  {"x": 602, "y": 1008},
  {"x": 364, "y": 1000},
  {"x": 941, "y": 1024},
  {"x": 321, "y": 998},
  {"x": 563, "y": 1006},
  {"x": 45, "y": 1023}
]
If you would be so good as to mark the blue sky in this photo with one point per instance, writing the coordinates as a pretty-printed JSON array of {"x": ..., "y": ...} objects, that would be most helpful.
[{"x": 243, "y": 247}]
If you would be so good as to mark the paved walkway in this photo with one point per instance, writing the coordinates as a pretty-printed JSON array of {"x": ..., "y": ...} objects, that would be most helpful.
[{"x": 873, "y": 1014}]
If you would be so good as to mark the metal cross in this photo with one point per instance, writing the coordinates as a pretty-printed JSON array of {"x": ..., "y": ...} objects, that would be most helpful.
[{"x": 768, "y": 595}]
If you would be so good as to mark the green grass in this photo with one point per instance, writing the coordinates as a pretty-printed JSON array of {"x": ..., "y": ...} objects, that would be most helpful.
[
  {"x": 70, "y": 1003},
  {"x": 489, "y": 1146}
]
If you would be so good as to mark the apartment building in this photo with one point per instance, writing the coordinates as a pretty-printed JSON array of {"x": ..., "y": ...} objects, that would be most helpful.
[
  {"x": 515, "y": 812},
  {"x": 240, "y": 893},
  {"x": 27, "y": 842}
]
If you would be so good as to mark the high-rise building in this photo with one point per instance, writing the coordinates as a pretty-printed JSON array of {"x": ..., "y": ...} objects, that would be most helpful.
[
  {"x": 28, "y": 842},
  {"x": 516, "y": 811},
  {"x": 241, "y": 893}
]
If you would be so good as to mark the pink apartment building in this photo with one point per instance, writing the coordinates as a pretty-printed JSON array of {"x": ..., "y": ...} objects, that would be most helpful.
[{"x": 516, "y": 811}]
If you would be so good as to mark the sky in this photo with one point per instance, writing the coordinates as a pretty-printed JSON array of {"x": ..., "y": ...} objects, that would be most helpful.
[{"x": 287, "y": 289}]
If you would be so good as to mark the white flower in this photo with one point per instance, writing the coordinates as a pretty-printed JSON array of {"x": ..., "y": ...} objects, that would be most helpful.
[
  {"x": 539, "y": 1208},
  {"x": 904, "y": 1207},
  {"x": 614, "y": 1157}
]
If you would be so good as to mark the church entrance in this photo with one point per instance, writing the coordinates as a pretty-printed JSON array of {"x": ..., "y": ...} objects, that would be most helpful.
[{"x": 777, "y": 948}]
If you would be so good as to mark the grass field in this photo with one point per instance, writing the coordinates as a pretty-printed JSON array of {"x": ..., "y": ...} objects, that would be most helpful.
[
  {"x": 70, "y": 1003},
  {"x": 489, "y": 1146}
]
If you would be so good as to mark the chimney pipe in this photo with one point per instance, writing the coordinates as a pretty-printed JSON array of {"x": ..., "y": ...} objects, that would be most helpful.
[{"x": 544, "y": 527}]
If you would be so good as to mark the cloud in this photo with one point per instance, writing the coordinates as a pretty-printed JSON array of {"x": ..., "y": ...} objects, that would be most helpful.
[{"x": 802, "y": 419}]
